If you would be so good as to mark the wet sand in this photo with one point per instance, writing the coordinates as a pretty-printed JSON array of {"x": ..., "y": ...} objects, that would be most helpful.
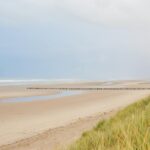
[
  {"x": 21, "y": 91},
  {"x": 48, "y": 124}
]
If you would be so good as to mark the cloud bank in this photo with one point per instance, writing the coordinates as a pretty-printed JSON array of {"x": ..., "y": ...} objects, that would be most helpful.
[{"x": 107, "y": 12}]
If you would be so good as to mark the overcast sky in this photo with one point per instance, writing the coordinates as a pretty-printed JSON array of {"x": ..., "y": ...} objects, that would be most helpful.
[{"x": 75, "y": 39}]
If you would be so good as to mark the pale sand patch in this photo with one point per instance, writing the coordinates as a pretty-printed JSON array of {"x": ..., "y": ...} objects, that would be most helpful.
[{"x": 59, "y": 138}]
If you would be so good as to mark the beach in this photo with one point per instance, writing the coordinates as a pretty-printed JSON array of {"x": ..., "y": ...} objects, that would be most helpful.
[{"x": 52, "y": 123}]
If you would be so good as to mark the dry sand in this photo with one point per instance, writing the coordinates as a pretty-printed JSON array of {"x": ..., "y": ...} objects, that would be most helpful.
[{"x": 44, "y": 125}]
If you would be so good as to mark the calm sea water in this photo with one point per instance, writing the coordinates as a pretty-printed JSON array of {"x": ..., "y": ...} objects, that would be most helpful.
[{"x": 40, "y": 98}]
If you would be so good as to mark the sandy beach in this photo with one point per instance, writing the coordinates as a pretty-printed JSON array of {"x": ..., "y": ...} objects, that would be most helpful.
[{"x": 49, "y": 124}]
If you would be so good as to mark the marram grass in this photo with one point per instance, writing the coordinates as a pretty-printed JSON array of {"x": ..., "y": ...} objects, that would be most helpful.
[{"x": 127, "y": 130}]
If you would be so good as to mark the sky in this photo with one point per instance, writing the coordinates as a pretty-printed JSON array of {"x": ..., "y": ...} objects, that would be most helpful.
[{"x": 74, "y": 39}]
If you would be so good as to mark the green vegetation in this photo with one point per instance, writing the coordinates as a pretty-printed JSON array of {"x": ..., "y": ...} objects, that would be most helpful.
[{"x": 128, "y": 130}]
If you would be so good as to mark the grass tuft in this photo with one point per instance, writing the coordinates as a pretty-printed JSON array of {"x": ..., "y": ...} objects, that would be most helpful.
[{"x": 129, "y": 129}]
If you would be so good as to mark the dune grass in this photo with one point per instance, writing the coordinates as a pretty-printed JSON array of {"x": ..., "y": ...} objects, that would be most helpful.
[{"x": 129, "y": 129}]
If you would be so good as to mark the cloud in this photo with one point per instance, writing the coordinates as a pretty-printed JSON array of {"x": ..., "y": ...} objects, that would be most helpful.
[
  {"x": 107, "y": 12},
  {"x": 115, "y": 12}
]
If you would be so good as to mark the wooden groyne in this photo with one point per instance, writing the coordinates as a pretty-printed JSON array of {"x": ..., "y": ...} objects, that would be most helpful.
[{"x": 87, "y": 89}]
